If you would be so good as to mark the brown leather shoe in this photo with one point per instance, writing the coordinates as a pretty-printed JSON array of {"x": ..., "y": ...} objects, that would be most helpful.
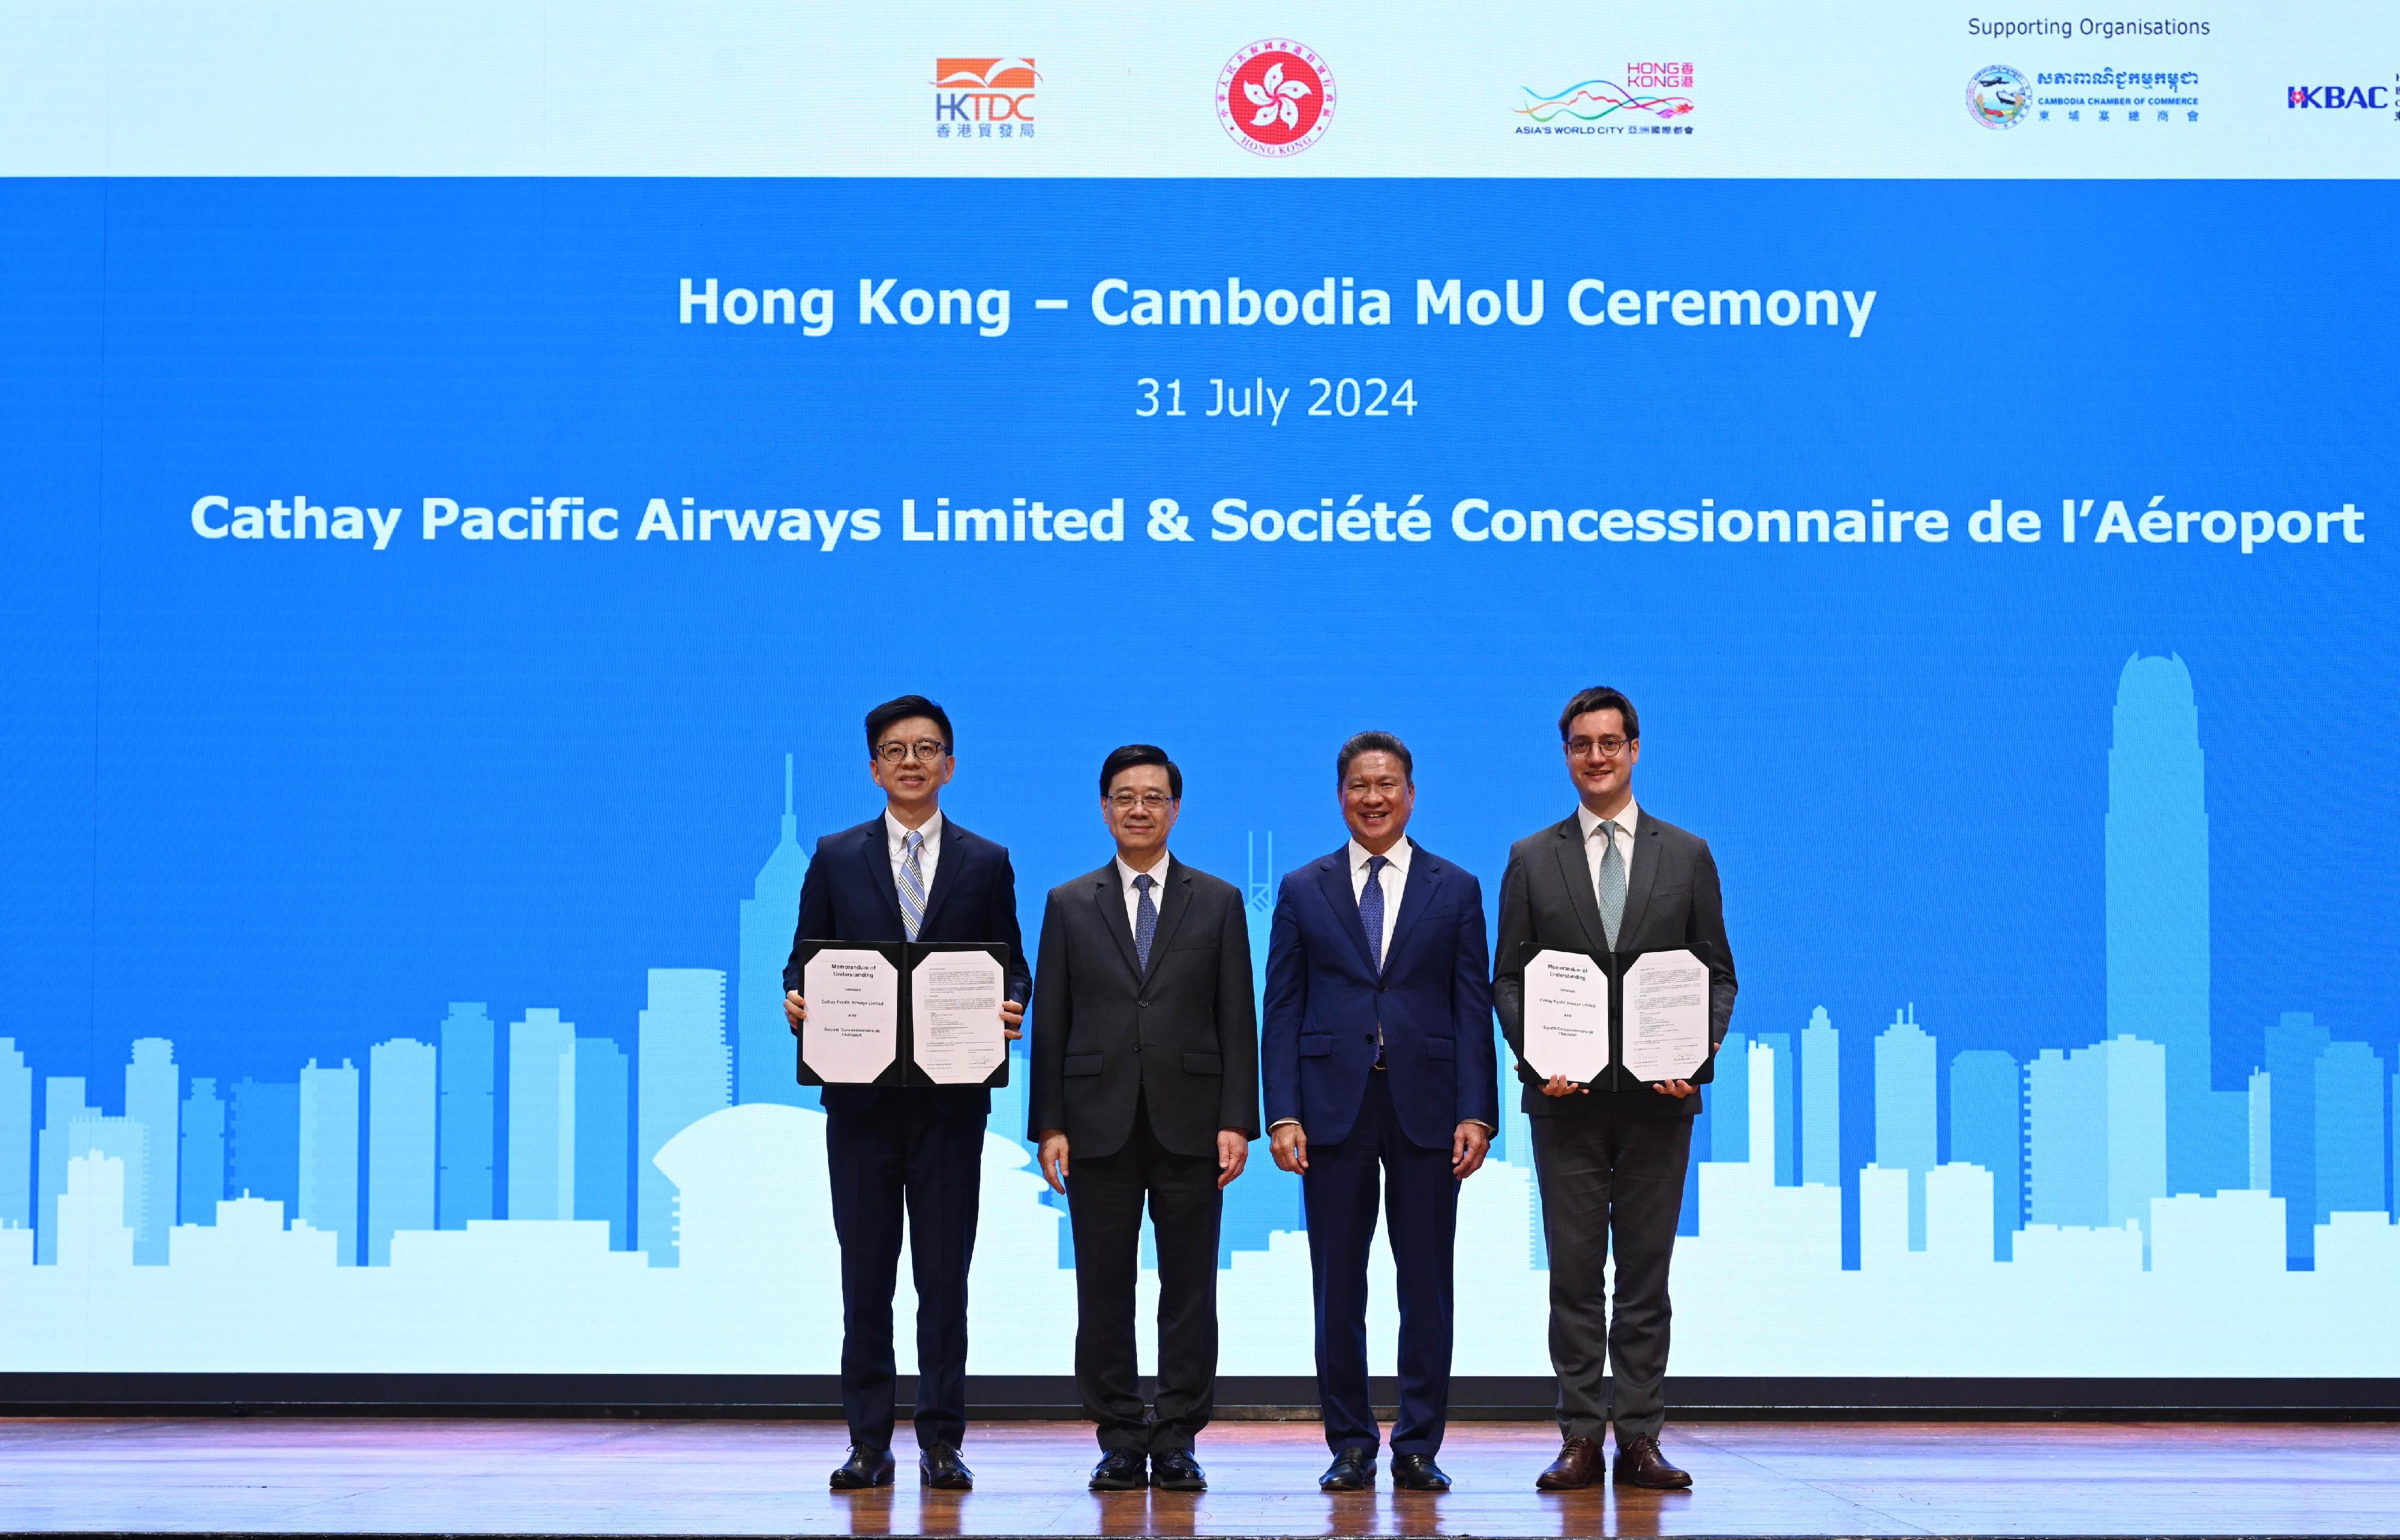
[
  {"x": 1640, "y": 1464},
  {"x": 1579, "y": 1464}
]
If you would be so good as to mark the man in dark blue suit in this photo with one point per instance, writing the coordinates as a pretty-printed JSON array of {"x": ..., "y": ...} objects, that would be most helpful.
[
  {"x": 1378, "y": 1060},
  {"x": 909, "y": 874}
]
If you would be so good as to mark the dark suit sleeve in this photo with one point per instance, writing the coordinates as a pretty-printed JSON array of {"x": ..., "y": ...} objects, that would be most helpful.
[
  {"x": 816, "y": 915},
  {"x": 1704, "y": 936},
  {"x": 1287, "y": 1008},
  {"x": 1470, "y": 1000},
  {"x": 1053, "y": 1019},
  {"x": 1508, "y": 974},
  {"x": 1237, "y": 1024},
  {"x": 1004, "y": 928}
]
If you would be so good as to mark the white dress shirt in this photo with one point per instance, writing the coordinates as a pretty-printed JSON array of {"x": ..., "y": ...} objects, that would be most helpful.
[
  {"x": 1395, "y": 878},
  {"x": 1594, "y": 844},
  {"x": 1133, "y": 895},
  {"x": 927, "y": 858}
]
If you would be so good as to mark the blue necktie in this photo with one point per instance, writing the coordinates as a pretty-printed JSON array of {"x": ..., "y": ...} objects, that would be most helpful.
[
  {"x": 1371, "y": 909},
  {"x": 1610, "y": 882},
  {"x": 1145, "y": 921},
  {"x": 913, "y": 883}
]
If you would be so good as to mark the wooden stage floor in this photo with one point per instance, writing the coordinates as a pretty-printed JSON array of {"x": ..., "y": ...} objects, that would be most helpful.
[{"x": 279, "y": 1476}]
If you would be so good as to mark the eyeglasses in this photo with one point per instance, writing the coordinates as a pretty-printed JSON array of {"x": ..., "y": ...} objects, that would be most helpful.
[
  {"x": 926, "y": 749},
  {"x": 1150, "y": 802},
  {"x": 1609, "y": 748}
]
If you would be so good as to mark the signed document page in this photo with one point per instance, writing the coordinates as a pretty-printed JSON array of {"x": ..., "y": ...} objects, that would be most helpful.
[
  {"x": 1666, "y": 1015},
  {"x": 960, "y": 1039},
  {"x": 1566, "y": 1016},
  {"x": 853, "y": 1033}
]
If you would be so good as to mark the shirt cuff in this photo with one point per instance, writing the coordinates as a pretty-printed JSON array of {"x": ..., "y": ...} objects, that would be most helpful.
[
  {"x": 1280, "y": 1121},
  {"x": 1487, "y": 1127}
]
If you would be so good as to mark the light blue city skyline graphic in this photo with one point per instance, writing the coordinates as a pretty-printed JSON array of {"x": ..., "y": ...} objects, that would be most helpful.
[{"x": 473, "y": 1177}]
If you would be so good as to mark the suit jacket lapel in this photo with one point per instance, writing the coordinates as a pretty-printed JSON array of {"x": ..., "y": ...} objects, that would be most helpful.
[
  {"x": 1111, "y": 899},
  {"x": 1333, "y": 881},
  {"x": 946, "y": 871},
  {"x": 876, "y": 851},
  {"x": 1574, "y": 868},
  {"x": 1170, "y": 914},
  {"x": 1638, "y": 880},
  {"x": 1415, "y": 898}
]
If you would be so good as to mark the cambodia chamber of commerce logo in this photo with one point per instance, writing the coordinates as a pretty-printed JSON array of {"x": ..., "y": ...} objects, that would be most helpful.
[
  {"x": 1275, "y": 97},
  {"x": 1652, "y": 97},
  {"x": 984, "y": 97},
  {"x": 1997, "y": 96}
]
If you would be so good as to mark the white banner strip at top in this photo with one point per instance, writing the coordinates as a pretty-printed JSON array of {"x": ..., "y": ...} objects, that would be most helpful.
[{"x": 747, "y": 88}]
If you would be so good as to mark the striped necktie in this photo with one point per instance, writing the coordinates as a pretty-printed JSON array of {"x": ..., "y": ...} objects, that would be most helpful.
[{"x": 913, "y": 883}]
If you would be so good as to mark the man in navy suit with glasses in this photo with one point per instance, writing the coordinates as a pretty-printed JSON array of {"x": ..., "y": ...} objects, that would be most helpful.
[{"x": 908, "y": 874}]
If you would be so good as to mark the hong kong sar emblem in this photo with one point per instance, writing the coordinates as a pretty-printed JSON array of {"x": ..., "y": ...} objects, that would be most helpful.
[{"x": 1275, "y": 98}]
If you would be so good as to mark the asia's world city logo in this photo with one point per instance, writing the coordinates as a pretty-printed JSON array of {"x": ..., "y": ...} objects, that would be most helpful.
[
  {"x": 1650, "y": 98},
  {"x": 1998, "y": 97},
  {"x": 984, "y": 97},
  {"x": 1274, "y": 97}
]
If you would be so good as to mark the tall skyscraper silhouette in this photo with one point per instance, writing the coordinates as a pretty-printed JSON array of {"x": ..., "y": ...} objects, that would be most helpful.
[
  {"x": 93, "y": 1231},
  {"x": 1727, "y": 1101},
  {"x": 403, "y": 1099},
  {"x": 467, "y": 1116},
  {"x": 604, "y": 1117},
  {"x": 542, "y": 1117},
  {"x": 1906, "y": 1098},
  {"x": 766, "y": 1060},
  {"x": 1988, "y": 1130},
  {"x": 1821, "y": 1101},
  {"x": 2157, "y": 878},
  {"x": 686, "y": 1072},
  {"x": 329, "y": 1154},
  {"x": 2350, "y": 1131},
  {"x": 266, "y": 1142},
  {"x": 1252, "y": 1218},
  {"x": 200, "y": 1154},
  {"x": 1787, "y": 1108},
  {"x": 2097, "y": 1133},
  {"x": 154, "y": 1093},
  {"x": 62, "y": 1104},
  {"x": 16, "y": 1138},
  {"x": 2293, "y": 1044}
]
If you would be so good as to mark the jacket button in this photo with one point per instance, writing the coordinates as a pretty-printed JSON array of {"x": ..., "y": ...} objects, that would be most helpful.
[
  {"x": 1143, "y": 1004},
  {"x": 1383, "y": 988},
  {"x": 1370, "y": 1037}
]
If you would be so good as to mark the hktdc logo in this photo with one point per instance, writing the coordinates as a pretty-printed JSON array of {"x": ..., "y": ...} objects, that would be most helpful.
[
  {"x": 2372, "y": 98},
  {"x": 984, "y": 97},
  {"x": 1275, "y": 97}
]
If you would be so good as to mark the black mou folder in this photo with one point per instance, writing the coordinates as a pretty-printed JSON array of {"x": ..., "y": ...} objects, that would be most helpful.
[
  {"x": 904, "y": 1068},
  {"x": 1614, "y": 967}
]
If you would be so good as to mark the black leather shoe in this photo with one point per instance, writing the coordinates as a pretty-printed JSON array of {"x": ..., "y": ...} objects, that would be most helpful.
[
  {"x": 1418, "y": 1473},
  {"x": 1640, "y": 1464},
  {"x": 1121, "y": 1471},
  {"x": 1352, "y": 1470},
  {"x": 1175, "y": 1470},
  {"x": 1579, "y": 1463},
  {"x": 939, "y": 1467},
  {"x": 865, "y": 1468}
]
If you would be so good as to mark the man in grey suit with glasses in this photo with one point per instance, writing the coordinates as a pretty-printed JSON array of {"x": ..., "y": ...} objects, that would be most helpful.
[{"x": 1610, "y": 1158}]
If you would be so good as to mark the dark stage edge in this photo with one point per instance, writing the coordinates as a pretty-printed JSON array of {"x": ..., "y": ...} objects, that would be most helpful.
[
  {"x": 1239, "y": 1399},
  {"x": 291, "y": 1477}
]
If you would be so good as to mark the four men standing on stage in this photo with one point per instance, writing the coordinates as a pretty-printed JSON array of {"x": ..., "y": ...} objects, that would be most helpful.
[
  {"x": 1380, "y": 1076},
  {"x": 1380, "y": 1092}
]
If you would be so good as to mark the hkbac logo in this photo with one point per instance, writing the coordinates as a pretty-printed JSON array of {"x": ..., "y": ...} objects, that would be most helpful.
[
  {"x": 1599, "y": 106},
  {"x": 2370, "y": 98},
  {"x": 1998, "y": 97},
  {"x": 1274, "y": 97},
  {"x": 984, "y": 97}
]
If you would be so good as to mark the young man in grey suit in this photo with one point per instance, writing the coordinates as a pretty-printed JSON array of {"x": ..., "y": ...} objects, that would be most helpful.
[
  {"x": 1610, "y": 1158},
  {"x": 1145, "y": 1076}
]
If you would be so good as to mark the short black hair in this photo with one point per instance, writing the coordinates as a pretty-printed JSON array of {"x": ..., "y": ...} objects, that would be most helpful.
[
  {"x": 1374, "y": 742},
  {"x": 902, "y": 709},
  {"x": 1123, "y": 759},
  {"x": 1598, "y": 698}
]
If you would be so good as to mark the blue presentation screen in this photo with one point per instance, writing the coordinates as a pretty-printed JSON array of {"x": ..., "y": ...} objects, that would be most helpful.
[{"x": 442, "y": 587}]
